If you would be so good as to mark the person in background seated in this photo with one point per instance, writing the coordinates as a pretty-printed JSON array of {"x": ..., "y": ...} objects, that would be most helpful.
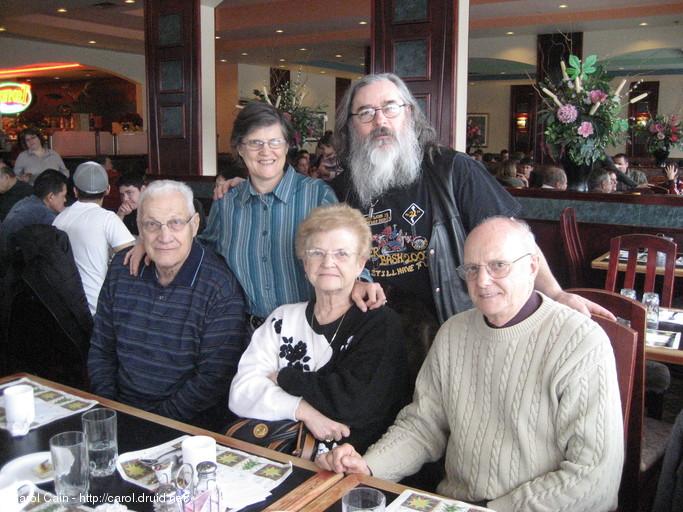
[
  {"x": 554, "y": 178},
  {"x": 130, "y": 186},
  {"x": 94, "y": 233},
  {"x": 325, "y": 362},
  {"x": 639, "y": 177},
  {"x": 302, "y": 164},
  {"x": 599, "y": 181},
  {"x": 36, "y": 158},
  {"x": 11, "y": 190},
  {"x": 514, "y": 443},
  {"x": 478, "y": 155},
  {"x": 504, "y": 155},
  {"x": 168, "y": 341},
  {"x": 47, "y": 200},
  {"x": 508, "y": 176}
]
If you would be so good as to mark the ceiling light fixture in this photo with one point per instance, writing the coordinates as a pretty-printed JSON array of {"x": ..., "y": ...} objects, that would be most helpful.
[
  {"x": 129, "y": 2},
  {"x": 362, "y": 22},
  {"x": 339, "y": 55},
  {"x": 224, "y": 60},
  {"x": 57, "y": 78},
  {"x": 92, "y": 42},
  {"x": 643, "y": 24},
  {"x": 282, "y": 60},
  {"x": 303, "y": 49},
  {"x": 61, "y": 10},
  {"x": 279, "y": 31},
  {"x": 218, "y": 37},
  {"x": 323, "y": 72},
  {"x": 2, "y": 29},
  {"x": 563, "y": 6},
  {"x": 244, "y": 54},
  {"x": 509, "y": 33}
]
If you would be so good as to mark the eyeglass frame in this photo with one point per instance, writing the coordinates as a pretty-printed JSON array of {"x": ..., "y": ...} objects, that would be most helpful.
[
  {"x": 375, "y": 109},
  {"x": 462, "y": 271},
  {"x": 320, "y": 255},
  {"x": 159, "y": 225},
  {"x": 261, "y": 143}
]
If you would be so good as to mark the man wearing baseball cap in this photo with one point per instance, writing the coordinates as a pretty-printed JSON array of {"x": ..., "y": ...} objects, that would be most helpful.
[{"x": 95, "y": 234}]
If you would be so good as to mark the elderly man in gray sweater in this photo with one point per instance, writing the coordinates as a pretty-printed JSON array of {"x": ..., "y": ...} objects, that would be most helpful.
[{"x": 520, "y": 393}]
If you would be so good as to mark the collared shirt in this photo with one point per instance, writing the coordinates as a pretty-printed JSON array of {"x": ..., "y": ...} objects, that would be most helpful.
[
  {"x": 172, "y": 350},
  {"x": 30, "y": 210},
  {"x": 255, "y": 234}
]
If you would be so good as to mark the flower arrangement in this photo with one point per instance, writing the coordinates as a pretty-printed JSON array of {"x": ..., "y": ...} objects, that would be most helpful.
[
  {"x": 582, "y": 116},
  {"x": 288, "y": 98},
  {"x": 473, "y": 135},
  {"x": 663, "y": 133}
]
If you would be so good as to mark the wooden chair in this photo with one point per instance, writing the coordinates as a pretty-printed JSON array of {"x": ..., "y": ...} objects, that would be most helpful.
[
  {"x": 573, "y": 250},
  {"x": 646, "y": 437},
  {"x": 633, "y": 244}
]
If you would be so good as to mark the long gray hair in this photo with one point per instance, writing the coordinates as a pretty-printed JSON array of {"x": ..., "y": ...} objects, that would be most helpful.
[{"x": 426, "y": 135}]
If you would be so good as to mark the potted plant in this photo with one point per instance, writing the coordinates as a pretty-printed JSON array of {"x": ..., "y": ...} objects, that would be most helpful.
[{"x": 663, "y": 135}]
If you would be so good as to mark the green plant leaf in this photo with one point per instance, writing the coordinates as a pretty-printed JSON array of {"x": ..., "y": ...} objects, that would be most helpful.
[
  {"x": 574, "y": 62},
  {"x": 590, "y": 61},
  {"x": 588, "y": 69}
]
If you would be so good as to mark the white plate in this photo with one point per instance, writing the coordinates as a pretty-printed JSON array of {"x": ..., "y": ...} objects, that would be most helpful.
[{"x": 22, "y": 468}]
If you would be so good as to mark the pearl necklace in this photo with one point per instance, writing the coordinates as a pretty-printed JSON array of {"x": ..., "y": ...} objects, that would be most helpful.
[{"x": 335, "y": 332}]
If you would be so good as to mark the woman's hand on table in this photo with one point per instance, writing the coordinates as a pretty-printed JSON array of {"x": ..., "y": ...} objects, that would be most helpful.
[
  {"x": 220, "y": 189},
  {"x": 322, "y": 427},
  {"x": 368, "y": 295},
  {"x": 134, "y": 257},
  {"x": 343, "y": 459}
]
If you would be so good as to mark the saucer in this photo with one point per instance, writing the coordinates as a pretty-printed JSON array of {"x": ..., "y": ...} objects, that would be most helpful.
[{"x": 24, "y": 468}]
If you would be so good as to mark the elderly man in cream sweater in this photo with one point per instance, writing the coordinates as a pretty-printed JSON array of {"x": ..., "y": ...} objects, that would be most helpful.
[{"x": 521, "y": 394}]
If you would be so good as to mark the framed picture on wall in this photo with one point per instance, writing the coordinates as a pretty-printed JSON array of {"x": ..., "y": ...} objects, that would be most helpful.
[{"x": 477, "y": 130}]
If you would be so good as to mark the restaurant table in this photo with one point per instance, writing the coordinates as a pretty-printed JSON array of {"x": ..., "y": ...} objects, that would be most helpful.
[
  {"x": 330, "y": 500},
  {"x": 139, "y": 429},
  {"x": 602, "y": 263},
  {"x": 663, "y": 354}
]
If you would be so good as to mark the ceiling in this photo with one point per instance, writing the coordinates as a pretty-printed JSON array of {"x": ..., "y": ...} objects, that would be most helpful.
[{"x": 320, "y": 33}]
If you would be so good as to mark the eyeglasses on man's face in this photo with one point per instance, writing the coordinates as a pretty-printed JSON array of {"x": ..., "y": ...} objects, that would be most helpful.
[
  {"x": 390, "y": 110},
  {"x": 257, "y": 145},
  {"x": 497, "y": 269},
  {"x": 176, "y": 225},
  {"x": 338, "y": 255}
]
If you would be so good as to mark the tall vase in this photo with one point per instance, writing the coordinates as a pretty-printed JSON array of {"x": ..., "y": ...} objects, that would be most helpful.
[
  {"x": 660, "y": 156},
  {"x": 577, "y": 174}
]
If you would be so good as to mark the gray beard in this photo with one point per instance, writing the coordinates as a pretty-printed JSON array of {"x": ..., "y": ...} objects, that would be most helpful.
[{"x": 376, "y": 168}]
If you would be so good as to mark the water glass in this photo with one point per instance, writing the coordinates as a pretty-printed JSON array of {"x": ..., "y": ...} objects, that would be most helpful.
[
  {"x": 70, "y": 463},
  {"x": 651, "y": 302},
  {"x": 363, "y": 499},
  {"x": 629, "y": 292},
  {"x": 99, "y": 427}
]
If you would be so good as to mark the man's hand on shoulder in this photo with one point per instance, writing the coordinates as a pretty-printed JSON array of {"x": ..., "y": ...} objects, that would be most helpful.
[
  {"x": 368, "y": 295},
  {"x": 343, "y": 459},
  {"x": 220, "y": 189},
  {"x": 582, "y": 305}
]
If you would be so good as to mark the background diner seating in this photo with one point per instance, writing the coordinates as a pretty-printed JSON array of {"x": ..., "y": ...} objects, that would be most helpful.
[{"x": 646, "y": 437}]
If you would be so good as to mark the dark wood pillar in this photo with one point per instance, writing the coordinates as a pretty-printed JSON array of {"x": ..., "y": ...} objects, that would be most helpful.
[
  {"x": 416, "y": 40},
  {"x": 172, "y": 54}
]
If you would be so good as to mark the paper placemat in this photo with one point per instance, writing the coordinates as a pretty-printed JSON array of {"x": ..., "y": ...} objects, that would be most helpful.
[
  {"x": 663, "y": 339},
  {"x": 411, "y": 501},
  {"x": 51, "y": 404},
  {"x": 243, "y": 479}
]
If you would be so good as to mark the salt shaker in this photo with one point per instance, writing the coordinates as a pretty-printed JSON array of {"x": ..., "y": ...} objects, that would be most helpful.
[
  {"x": 166, "y": 499},
  {"x": 206, "y": 485}
]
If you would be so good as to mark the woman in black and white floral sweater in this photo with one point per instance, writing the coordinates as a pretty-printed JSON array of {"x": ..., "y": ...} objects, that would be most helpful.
[{"x": 340, "y": 370}]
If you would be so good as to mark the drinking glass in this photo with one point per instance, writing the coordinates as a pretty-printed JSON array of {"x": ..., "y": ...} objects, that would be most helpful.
[
  {"x": 70, "y": 463},
  {"x": 651, "y": 302},
  {"x": 99, "y": 427},
  {"x": 363, "y": 499},
  {"x": 629, "y": 292}
]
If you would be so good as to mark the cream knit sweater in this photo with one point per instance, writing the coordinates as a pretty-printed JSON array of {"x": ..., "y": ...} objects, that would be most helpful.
[{"x": 529, "y": 416}]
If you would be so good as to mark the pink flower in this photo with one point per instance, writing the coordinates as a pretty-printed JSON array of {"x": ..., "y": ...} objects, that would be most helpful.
[
  {"x": 567, "y": 114},
  {"x": 586, "y": 129},
  {"x": 674, "y": 138},
  {"x": 597, "y": 96},
  {"x": 659, "y": 127}
]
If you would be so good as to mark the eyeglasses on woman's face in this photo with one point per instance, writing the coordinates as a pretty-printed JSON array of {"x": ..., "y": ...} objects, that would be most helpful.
[
  {"x": 338, "y": 255},
  {"x": 257, "y": 145}
]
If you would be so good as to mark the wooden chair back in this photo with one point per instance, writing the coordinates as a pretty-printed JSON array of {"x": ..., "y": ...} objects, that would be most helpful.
[
  {"x": 633, "y": 244},
  {"x": 573, "y": 249},
  {"x": 629, "y": 352}
]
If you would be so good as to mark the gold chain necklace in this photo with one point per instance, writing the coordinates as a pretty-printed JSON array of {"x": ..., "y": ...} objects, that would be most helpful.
[{"x": 336, "y": 330}]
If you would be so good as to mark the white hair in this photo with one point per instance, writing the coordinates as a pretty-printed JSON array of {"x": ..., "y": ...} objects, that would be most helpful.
[{"x": 162, "y": 187}]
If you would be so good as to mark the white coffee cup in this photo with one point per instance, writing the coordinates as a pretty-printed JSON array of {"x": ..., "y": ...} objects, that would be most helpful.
[
  {"x": 20, "y": 409},
  {"x": 12, "y": 500},
  {"x": 198, "y": 449}
]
